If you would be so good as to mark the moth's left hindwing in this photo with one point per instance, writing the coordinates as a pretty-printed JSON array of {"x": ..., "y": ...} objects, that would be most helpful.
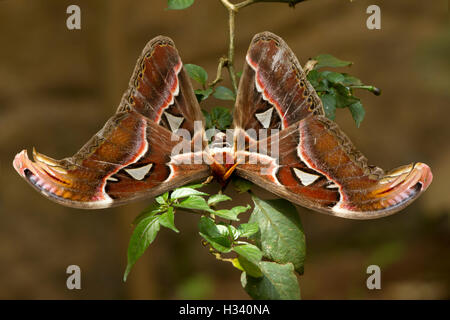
[{"x": 131, "y": 157}]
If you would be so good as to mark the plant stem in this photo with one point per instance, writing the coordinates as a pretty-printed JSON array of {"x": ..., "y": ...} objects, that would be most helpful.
[
  {"x": 244, "y": 4},
  {"x": 230, "y": 64},
  {"x": 233, "y": 9},
  {"x": 228, "y": 5},
  {"x": 372, "y": 89},
  {"x": 229, "y": 61},
  {"x": 222, "y": 62}
]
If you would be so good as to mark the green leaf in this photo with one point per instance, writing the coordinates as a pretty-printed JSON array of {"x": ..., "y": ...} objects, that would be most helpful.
[
  {"x": 278, "y": 282},
  {"x": 142, "y": 236},
  {"x": 249, "y": 251},
  {"x": 231, "y": 214},
  {"x": 327, "y": 60},
  {"x": 195, "y": 186},
  {"x": 162, "y": 199},
  {"x": 203, "y": 94},
  {"x": 186, "y": 192},
  {"x": 313, "y": 78},
  {"x": 236, "y": 264},
  {"x": 208, "y": 120},
  {"x": 240, "y": 209},
  {"x": 218, "y": 236},
  {"x": 179, "y": 4},
  {"x": 226, "y": 214},
  {"x": 194, "y": 202},
  {"x": 223, "y": 93},
  {"x": 358, "y": 112},
  {"x": 351, "y": 80},
  {"x": 249, "y": 267},
  {"x": 241, "y": 185},
  {"x": 153, "y": 209},
  {"x": 335, "y": 77},
  {"x": 249, "y": 257},
  {"x": 322, "y": 86},
  {"x": 196, "y": 73},
  {"x": 247, "y": 229},
  {"x": 214, "y": 199},
  {"x": 344, "y": 97},
  {"x": 329, "y": 105},
  {"x": 235, "y": 234},
  {"x": 219, "y": 118},
  {"x": 280, "y": 235},
  {"x": 167, "y": 220}
]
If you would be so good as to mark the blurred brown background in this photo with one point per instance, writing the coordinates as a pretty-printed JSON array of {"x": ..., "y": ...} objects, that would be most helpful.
[{"x": 58, "y": 87}]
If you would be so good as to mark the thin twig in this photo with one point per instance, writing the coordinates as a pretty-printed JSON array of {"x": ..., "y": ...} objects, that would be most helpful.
[
  {"x": 222, "y": 62},
  {"x": 230, "y": 64},
  {"x": 229, "y": 5},
  {"x": 309, "y": 66},
  {"x": 244, "y": 4},
  {"x": 232, "y": 10}
]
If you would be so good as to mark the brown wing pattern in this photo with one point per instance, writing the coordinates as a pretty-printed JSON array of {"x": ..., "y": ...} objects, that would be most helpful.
[
  {"x": 273, "y": 91},
  {"x": 319, "y": 168},
  {"x": 160, "y": 88},
  {"x": 131, "y": 157},
  {"x": 315, "y": 165},
  {"x": 308, "y": 160}
]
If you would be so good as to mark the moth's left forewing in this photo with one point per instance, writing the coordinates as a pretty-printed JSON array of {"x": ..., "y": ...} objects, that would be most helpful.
[
  {"x": 129, "y": 159},
  {"x": 137, "y": 152},
  {"x": 157, "y": 170}
]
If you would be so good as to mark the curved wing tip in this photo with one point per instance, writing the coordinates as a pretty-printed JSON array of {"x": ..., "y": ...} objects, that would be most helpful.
[
  {"x": 160, "y": 39},
  {"x": 407, "y": 187},
  {"x": 426, "y": 177},
  {"x": 31, "y": 172},
  {"x": 19, "y": 162},
  {"x": 266, "y": 34}
]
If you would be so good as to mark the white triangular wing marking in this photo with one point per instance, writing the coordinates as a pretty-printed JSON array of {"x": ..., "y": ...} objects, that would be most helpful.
[
  {"x": 265, "y": 117},
  {"x": 174, "y": 122},
  {"x": 139, "y": 173},
  {"x": 305, "y": 177}
]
